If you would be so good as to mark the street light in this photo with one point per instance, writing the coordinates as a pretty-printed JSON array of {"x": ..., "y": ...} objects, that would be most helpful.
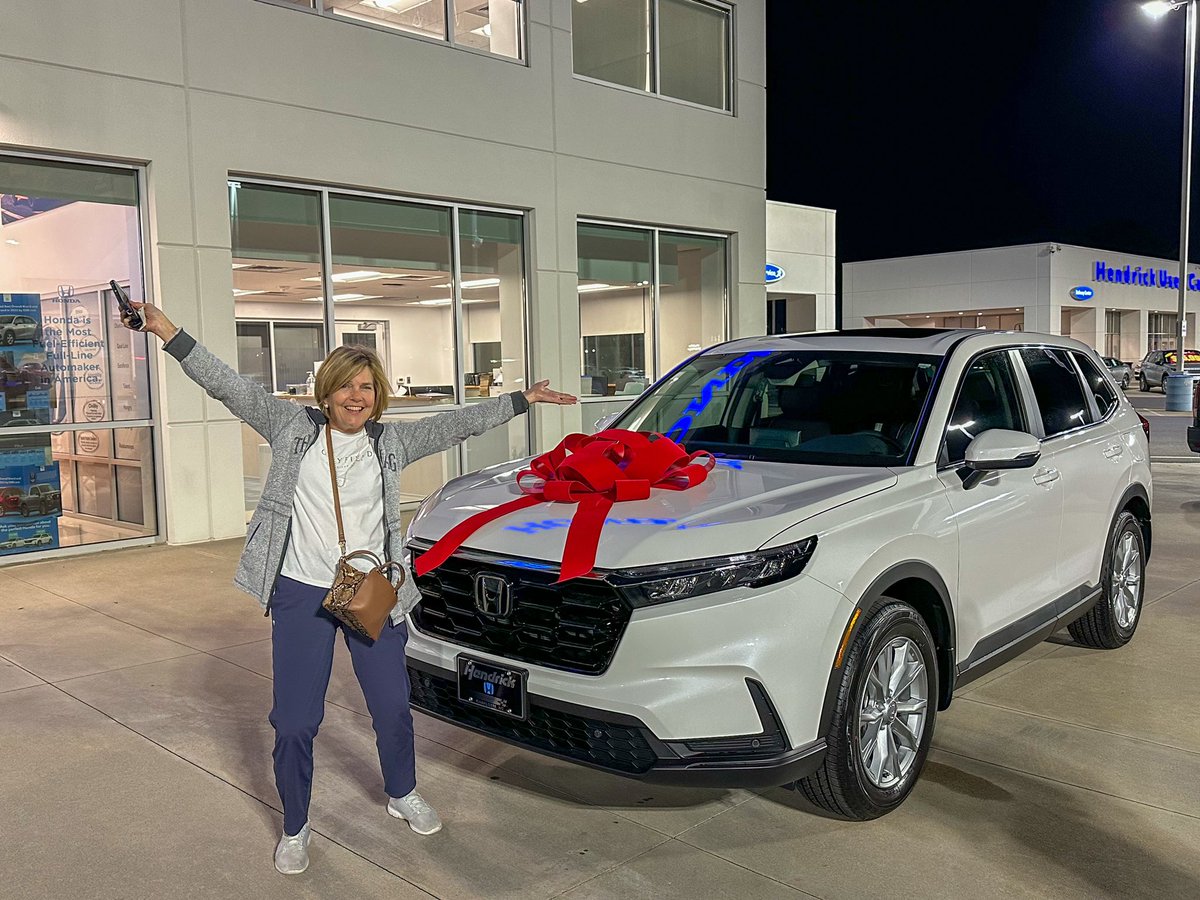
[{"x": 1157, "y": 9}]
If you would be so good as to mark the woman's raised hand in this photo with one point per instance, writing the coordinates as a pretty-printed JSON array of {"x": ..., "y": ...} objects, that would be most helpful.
[
  {"x": 156, "y": 321},
  {"x": 541, "y": 393}
]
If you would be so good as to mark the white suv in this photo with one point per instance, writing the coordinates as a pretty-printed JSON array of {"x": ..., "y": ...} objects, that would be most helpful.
[{"x": 893, "y": 513}]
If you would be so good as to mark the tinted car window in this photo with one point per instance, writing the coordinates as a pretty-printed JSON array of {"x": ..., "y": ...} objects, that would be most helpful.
[
  {"x": 808, "y": 406},
  {"x": 987, "y": 399},
  {"x": 1056, "y": 386},
  {"x": 1098, "y": 384}
]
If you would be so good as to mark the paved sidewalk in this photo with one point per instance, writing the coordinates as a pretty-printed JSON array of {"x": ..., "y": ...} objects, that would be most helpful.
[{"x": 134, "y": 691}]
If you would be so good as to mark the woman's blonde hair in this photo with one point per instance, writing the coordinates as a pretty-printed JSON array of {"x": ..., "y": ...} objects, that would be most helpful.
[{"x": 343, "y": 364}]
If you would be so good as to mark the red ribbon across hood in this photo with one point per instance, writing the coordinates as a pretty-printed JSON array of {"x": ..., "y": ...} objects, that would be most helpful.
[{"x": 594, "y": 472}]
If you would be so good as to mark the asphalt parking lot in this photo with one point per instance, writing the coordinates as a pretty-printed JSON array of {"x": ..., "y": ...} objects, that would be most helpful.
[{"x": 134, "y": 689}]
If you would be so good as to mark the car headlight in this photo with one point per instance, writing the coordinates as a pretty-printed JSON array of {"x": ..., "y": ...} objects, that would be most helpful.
[{"x": 695, "y": 577}]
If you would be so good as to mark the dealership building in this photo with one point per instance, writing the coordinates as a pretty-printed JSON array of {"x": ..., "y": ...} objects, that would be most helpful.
[
  {"x": 1121, "y": 304},
  {"x": 486, "y": 193}
]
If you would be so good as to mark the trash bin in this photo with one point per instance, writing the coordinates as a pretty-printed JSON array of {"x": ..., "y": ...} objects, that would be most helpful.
[{"x": 1178, "y": 388}]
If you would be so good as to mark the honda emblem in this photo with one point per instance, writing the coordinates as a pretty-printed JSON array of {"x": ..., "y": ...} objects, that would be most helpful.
[{"x": 493, "y": 595}]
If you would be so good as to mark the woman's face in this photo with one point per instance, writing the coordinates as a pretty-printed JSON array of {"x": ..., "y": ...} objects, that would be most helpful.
[{"x": 349, "y": 407}]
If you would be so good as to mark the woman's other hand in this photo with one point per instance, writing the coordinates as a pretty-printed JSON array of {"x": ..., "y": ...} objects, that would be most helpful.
[
  {"x": 156, "y": 321},
  {"x": 541, "y": 393}
]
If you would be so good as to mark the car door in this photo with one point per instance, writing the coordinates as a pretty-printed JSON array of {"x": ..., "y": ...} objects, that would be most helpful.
[
  {"x": 1085, "y": 451},
  {"x": 1009, "y": 523}
]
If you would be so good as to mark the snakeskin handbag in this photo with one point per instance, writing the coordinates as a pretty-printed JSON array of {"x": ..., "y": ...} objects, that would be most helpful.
[{"x": 362, "y": 601}]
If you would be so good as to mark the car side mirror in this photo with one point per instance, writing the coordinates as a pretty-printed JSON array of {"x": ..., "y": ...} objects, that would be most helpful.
[
  {"x": 996, "y": 450},
  {"x": 604, "y": 422}
]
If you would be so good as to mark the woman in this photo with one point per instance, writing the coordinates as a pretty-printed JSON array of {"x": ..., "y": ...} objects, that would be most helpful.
[{"x": 292, "y": 551}]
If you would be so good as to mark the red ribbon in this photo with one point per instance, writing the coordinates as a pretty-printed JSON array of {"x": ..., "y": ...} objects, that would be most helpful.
[{"x": 594, "y": 472}]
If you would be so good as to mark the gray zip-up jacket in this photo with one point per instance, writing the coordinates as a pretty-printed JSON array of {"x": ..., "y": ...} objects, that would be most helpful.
[{"x": 291, "y": 430}]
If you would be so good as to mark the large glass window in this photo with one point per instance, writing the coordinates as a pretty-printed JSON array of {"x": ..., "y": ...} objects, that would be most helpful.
[
  {"x": 76, "y": 459},
  {"x": 676, "y": 48},
  {"x": 437, "y": 290},
  {"x": 1160, "y": 331},
  {"x": 1059, "y": 392},
  {"x": 638, "y": 320},
  {"x": 494, "y": 26},
  {"x": 392, "y": 270}
]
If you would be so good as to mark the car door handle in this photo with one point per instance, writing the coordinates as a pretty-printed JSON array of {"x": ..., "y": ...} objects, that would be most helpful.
[
  {"x": 1113, "y": 451},
  {"x": 1046, "y": 476}
]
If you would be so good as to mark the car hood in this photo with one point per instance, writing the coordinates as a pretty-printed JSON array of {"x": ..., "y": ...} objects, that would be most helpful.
[{"x": 739, "y": 507}]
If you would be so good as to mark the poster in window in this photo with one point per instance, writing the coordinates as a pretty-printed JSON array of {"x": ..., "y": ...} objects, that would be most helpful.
[
  {"x": 26, "y": 383},
  {"x": 30, "y": 501},
  {"x": 74, "y": 335}
]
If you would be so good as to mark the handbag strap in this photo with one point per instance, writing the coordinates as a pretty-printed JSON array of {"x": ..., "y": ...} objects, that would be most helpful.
[{"x": 337, "y": 503}]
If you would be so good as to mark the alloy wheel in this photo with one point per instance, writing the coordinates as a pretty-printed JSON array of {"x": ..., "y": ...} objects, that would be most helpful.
[
  {"x": 1126, "y": 583},
  {"x": 892, "y": 713}
]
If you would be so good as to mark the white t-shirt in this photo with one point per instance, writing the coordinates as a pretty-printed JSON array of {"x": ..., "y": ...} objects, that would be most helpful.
[{"x": 313, "y": 552}]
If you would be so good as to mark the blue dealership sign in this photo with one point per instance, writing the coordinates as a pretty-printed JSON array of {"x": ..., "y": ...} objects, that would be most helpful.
[
  {"x": 1082, "y": 293},
  {"x": 774, "y": 273}
]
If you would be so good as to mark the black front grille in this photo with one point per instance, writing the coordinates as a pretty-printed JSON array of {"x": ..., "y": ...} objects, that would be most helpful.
[
  {"x": 573, "y": 626},
  {"x": 623, "y": 748}
]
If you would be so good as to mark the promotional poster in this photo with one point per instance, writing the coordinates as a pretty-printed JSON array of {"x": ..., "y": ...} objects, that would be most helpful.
[
  {"x": 25, "y": 379},
  {"x": 30, "y": 500}
]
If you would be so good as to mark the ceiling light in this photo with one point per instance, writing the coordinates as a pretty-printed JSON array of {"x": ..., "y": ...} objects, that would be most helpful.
[
  {"x": 486, "y": 30},
  {"x": 473, "y": 284},
  {"x": 350, "y": 277},
  {"x": 241, "y": 293},
  {"x": 343, "y": 297},
  {"x": 585, "y": 288},
  {"x": 242, "y": 265},
  {"x": 395, "y": 6},
  {"x": 11, "y": 241}
]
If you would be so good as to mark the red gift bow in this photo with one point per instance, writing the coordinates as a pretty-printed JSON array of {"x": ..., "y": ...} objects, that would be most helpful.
[{"x": 594, "y": 471}]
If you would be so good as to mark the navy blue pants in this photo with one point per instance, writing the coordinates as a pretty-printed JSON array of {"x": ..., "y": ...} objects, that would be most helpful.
[{"x": 302, "y": 636}]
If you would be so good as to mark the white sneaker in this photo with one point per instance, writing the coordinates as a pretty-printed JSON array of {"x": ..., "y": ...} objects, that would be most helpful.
[
  {"x": 291, "y": 853},
  {"x": 419, "y": 815}
]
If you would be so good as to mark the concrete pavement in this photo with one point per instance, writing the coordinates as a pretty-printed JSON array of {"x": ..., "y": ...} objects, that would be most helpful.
[{"x": 134, "y": 691}]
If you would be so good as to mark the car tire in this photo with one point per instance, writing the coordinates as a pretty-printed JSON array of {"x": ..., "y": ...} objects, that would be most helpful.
[
  {"x": 1125, "y": 383},
  {"x": 1143, "y": 386},
  {"x": 10, "y": 338},
  {"x": 1113, "y": 620},
  {"x": 875, "y": 750}
]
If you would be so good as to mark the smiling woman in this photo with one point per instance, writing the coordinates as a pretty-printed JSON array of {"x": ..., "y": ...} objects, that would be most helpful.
[{"x": 334, "y": 483}]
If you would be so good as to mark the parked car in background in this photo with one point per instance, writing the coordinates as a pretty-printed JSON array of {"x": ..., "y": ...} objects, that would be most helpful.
[
  {"x": 891, "y": 514},
  {"x": 41, "y": 499},
  {"x": 14, "y": 329},
  {"x": 1157, "y": 364},
  {"x": 1121, "y": 372},
  {"x": 38, "y": 539}
]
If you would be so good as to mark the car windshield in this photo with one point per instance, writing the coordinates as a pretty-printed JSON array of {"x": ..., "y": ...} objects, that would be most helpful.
[{"x": 807, "y": 406}]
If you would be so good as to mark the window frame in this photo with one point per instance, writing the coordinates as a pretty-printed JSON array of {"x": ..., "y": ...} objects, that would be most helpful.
[
  {"x": 729, "y": 9},
  {"x": 654, "y": 373},
  {"x": 157, "y": 534},
  {"x": 456, "y": 209},
  {"x": 448, "y": 41}
]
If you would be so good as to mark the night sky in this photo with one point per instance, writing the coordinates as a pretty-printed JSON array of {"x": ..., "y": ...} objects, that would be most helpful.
[{"x": 939, "y": 126}]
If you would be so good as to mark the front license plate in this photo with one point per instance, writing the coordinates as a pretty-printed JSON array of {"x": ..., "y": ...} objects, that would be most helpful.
[{"x": 497, "y": 688}]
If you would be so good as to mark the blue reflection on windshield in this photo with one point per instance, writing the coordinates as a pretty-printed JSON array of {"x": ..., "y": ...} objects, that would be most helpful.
[{"x": 697, "y": 405}]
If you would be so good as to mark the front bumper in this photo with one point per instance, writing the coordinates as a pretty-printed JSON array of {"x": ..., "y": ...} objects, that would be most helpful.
[
  {"x": 621, "y": 744},
  {"x": 725, "y": 689}
]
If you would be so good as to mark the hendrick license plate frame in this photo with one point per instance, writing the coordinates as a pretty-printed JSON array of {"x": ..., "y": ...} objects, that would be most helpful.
[{"x": 493, "y": 687}]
